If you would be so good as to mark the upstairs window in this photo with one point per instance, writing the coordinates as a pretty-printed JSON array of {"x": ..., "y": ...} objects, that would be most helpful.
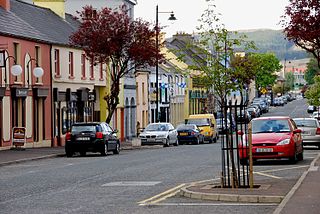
[
  {"x": 83, "y": 66},
  {"x": 57, "y": 63},
  {"x": 71, "y": 70}
]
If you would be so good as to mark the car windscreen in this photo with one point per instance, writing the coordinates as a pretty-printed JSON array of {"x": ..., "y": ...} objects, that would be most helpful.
[
  {"x": 270, "y": 126},
  {"x": 306, "y": 123},
  {"x": 199, "y": 122},
  {"x": 83, "y": 128},
  {"x": 186, "y": 127},
  {"x": 157, "y": 127}
]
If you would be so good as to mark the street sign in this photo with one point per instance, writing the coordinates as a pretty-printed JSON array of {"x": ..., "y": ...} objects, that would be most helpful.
[{"x": 263, "y": 90}]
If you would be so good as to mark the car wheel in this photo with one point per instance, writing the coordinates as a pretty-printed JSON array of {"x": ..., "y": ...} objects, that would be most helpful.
[
  {"x": 83, "y": 153},
  {"x": 69, "y": 153},
  {"x": 300, "y": 156},
  {"x": 117, "y": 150},
  {"x": 176, "y": 143},
  {"x": 104, "y": 152},
  {"x": 167, "y": 143},
  {"x": 197, "y": 142},
  {"x": 294, "y": 158}
]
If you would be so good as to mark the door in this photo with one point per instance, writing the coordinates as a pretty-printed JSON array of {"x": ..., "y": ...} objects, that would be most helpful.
[{"x": 111, "y": 138}]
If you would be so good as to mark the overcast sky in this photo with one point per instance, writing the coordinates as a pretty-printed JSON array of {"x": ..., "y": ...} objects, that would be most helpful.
[{"x": 236, "y": 14}]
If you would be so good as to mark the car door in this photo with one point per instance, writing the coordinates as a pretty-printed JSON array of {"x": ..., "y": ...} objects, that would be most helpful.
[
  {"x": 297, "y": 136},
  {"x": 112, "y": 137},
  {"x": 172, "y": 133}
]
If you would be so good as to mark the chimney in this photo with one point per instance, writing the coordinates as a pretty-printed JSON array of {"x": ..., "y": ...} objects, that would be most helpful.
[
  {"x": 57, "y": 6},
  {"x": 5, "y": 4}
]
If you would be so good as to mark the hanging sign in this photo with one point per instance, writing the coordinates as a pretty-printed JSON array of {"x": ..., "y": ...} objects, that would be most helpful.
[{"x": 18, "y": 136}]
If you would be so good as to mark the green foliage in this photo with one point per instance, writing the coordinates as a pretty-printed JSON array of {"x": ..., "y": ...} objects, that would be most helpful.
[
  {"x": 312, "y": 71},
  {"x": 269, "y": 64},
  {"x": 289, "y": 81},
  {"x": 313, "y": 92}
]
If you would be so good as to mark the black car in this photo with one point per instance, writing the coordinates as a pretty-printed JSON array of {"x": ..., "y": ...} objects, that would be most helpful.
[
  {"x": 189, "y": 133},
  {"x": 91, "y": 137}
]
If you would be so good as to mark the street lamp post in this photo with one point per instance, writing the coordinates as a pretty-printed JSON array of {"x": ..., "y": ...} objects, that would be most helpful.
[
  {"x": 172, "y": 18},
  {"x": 37, "y": 71}
]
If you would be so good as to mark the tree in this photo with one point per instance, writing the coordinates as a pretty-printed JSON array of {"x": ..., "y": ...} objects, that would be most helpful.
[
  {"x": 301, "y": 24},
  {"x": 289, "y": 81},
  {"x": 313, "y": 92},
  {"x": 110, "y": 36},
  {"x": 312, "y": 71},
  {"x": 268, "y": 65}
]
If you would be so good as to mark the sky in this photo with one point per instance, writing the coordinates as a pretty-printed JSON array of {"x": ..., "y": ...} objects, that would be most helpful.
[{"x": 235, "y": 14}]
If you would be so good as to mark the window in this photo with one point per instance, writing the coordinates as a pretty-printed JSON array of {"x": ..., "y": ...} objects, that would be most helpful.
[
  {"x": 83, "y": 66},
  {"x": 92, "y": 70},
  {"x": 38, "y": 61},
  {"x": 143, "y": 94},
  {"x": 101, "y": 71},
  {"x": 71, "y": 71},
  {"x": 16, "y": 55},
  {"x": 57, "y": 62},
  {"x": 137, "y": 93}
]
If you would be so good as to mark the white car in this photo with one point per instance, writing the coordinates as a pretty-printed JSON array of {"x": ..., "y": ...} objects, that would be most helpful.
[{"x": 159, "y": 134}]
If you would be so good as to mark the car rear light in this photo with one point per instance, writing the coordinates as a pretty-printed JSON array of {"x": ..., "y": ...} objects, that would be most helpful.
[
  {"x": 193, "y": 133},
  {"x": 68, "y": 136},
  {"x": 99, "y": 135},
  {"x": 318, "y": 131}
]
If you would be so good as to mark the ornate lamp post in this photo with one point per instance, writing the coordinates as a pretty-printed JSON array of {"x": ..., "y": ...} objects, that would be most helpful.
[{"x": 171, "y": 18}]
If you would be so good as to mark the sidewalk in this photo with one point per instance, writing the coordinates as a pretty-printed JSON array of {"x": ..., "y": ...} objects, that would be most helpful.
[
  {"x": 294, "y": 196},
  {"x": 11, "y": 156}
]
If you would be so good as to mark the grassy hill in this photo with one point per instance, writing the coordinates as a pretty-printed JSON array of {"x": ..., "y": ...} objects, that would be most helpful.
[{"x": 274, "y": 41}]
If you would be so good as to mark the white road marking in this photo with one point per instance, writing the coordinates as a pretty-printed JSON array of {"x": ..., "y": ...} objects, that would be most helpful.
[
  {"x": 267, "y": 175},
  {"x": 131, "y": 183},
  {"x": 210, "y": 204}
]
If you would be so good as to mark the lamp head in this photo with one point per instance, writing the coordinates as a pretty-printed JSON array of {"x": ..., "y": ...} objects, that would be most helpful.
[
  {"x": 16, "y": 70},
  {"x": 38, "y": 72},
  {"x": 172, "y": 17}
]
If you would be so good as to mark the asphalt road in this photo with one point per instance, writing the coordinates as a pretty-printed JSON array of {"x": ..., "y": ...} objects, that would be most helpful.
[{"x": 117, "y": 183}]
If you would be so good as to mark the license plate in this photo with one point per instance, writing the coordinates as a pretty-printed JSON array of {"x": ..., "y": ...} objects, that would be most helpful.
[
  {"x": 183, "y": 134},
  {"x": 306, "y": 133},
  {"x": 264, "y": 150},
  {"x": 83, "y": 138}
]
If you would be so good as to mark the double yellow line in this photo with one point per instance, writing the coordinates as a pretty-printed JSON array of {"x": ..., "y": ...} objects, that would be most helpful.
[{"x": 162, "y": 196}]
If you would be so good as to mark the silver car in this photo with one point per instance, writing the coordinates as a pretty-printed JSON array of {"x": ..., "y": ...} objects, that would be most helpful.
[
  {"x": 159, "y": 134},
  {"x": 310, "y": 130}
]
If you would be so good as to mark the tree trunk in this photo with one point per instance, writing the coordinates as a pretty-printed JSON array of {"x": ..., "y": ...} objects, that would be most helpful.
[{"x": 112, "y": 99}]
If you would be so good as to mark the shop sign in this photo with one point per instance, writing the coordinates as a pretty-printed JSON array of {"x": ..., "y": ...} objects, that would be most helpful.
[
  {"x": 21, "y": 92},
  {"x": 18, "y": 136}
]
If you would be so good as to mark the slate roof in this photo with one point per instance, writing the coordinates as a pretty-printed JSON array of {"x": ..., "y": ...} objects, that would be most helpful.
[{"x": 36, "y": 23}]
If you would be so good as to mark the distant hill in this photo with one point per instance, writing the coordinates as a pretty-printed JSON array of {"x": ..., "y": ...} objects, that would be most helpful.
[{"x": 274, "y": 41}]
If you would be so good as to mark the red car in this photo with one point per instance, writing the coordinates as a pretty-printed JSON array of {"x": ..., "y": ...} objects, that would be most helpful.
[{"x": 273, "y": 138}]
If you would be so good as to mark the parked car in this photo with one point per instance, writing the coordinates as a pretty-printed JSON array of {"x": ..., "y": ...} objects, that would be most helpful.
[
  {"x": 159, "y": 134},
  {"x": 316, "y": 115},
  {"x": 223, "y": 125},
  {"x": 278, "y": 101},
  {"x": 273, "y": 138},
  {"x": 310, "y": 128},
  {"x": 91, "y": 137},
  {"x": 243, "y": 116},
  {"x": 257, "y": 109},
  {"x": 207, "y": 124},
  {"x": 253, "y": 112},
  {"x": 311, "y": 109},
  {"x": 189, "y": 133},
  {"x": 231, "y": 118}
]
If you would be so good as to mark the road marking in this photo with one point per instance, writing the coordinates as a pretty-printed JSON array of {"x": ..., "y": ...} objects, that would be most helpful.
[
  {"x": 313, "y": 168},
  {"x": 162, "y": 195},
  {"x": 267, "y": 175},
  {"x": 282, "y": 169},
  {"x": 131, "y": 183},
  {"x": 211, "y": 204}
]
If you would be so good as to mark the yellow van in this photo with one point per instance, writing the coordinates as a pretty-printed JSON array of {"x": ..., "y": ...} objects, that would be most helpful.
[{"x": 207, "y": 124}]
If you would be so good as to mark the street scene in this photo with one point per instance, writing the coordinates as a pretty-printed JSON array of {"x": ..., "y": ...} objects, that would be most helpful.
[{"x": 126, "y": 106}]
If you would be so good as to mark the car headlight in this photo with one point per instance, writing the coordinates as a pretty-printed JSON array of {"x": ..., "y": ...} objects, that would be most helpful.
[
  {"x": 142, "y": 136},
  {"x": 284, "y": 142},
  {"x": 161, "y": 136}
]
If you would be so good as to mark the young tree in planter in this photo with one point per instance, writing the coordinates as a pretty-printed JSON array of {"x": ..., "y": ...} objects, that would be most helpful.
[
  {"x": 301, "y": 24},
  {"x": 110, "y": 36}
]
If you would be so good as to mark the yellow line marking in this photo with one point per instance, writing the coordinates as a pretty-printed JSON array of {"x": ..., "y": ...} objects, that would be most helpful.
[
  {"x": 267, "y": 175},
  {"x": 163, "y": 194}
]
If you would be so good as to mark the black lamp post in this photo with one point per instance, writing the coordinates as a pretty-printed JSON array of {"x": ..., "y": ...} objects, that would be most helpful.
[{"x": 171, "y": 18}]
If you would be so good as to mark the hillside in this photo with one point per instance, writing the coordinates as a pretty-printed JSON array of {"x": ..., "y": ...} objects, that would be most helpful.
[{"x": 274, "y": 41}]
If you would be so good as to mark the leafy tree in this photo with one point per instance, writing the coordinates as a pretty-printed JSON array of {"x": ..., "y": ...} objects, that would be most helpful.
[
  {"x": 268, "y": 66},
  {"x": 301, "y": 24},
  {"x": 313, "y": 92},
  {"x": 289, "y": 81},
  {"x": 312, "y": 71},
  {"x": 110, "y": 36}
]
